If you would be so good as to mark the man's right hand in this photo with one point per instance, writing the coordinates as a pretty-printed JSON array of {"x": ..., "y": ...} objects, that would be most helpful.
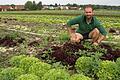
[{"x": 73, "y": 37}]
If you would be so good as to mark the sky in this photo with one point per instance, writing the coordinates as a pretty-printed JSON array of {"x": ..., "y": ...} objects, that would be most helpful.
[{"x": 98, "y": 2}]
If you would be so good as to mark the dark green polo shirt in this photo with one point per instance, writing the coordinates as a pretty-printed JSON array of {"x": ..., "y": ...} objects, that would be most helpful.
[{"x": 86, "y": 28}]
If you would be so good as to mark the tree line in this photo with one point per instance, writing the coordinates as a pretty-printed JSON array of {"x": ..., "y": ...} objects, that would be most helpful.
[
  {"x": 96, "y": 6},
  {"x": 29, "y": 5}
]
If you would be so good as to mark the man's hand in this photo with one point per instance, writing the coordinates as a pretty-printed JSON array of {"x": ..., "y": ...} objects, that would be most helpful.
[
  {"x": 99, "y": 40},
  {"x": 102, "y": 37},
  {"x": 73, "y": 37},
  {"x": 76, "y": 37}
]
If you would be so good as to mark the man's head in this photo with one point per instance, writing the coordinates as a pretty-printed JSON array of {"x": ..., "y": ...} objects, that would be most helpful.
[{"x": 88, "y": 11}]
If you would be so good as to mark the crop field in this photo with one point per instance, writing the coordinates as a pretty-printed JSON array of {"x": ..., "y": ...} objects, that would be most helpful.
[{"x": 34, "y": 45}]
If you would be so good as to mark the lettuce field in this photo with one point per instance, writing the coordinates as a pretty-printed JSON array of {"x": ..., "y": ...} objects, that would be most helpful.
[{"x": 34, "y": 45}]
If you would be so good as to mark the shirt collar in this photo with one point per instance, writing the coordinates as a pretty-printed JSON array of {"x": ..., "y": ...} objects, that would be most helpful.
[{"x": 84, "y": 19}]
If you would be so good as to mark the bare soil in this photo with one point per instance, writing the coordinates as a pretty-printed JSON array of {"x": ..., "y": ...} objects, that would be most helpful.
[{"x": 8, "y": 42}]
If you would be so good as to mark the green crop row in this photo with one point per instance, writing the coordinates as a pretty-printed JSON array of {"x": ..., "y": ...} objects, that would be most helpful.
[
  {"x": 30, "y": 68},
  {"x": 55, "y": 19},
  {"x": 63, "y": 12}
]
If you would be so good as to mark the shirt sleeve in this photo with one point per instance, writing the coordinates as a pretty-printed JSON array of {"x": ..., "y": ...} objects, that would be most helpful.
[
  {"x": 101, "y": 28},
  {"x": 74, "y": 21}
]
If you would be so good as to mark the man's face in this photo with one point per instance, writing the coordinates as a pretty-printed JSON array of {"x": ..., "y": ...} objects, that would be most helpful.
[{"x": 88, "y": 12}]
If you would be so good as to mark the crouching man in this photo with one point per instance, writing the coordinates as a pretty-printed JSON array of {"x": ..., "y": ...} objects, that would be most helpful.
[{"x": 89, "y": 27}]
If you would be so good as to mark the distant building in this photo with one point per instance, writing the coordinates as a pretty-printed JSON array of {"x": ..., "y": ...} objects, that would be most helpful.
[
  {"x": 51, "y": 7},
  {"x": 64, "y": 7},
  {"x": 10, "y": 8},
  {"x": 74, "y": 8},
  {"x": 5, "y": 8},
  {"x": 48, "y": 7},
  {"x": 60, "y": 7},
  {"x": 19, "y": 7},
  {"x": 45, "y": 7}
]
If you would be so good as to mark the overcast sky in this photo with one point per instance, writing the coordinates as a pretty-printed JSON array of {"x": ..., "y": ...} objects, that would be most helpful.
[{"x": 100, "y": 2}]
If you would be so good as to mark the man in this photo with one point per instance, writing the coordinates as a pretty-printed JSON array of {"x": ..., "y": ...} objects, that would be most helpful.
[{"x": 89, "y": 27}]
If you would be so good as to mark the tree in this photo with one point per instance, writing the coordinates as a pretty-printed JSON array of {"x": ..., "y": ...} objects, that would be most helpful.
[
  {"x": 34, "y": 6},
  {"x": 13, "y": 6},
  {"x": 51, "y": 5},
  {"x": 74, "y": 5},
  {"x": 28, "y": 5},
  {"x": 39, "y": 5},
  {"x": 68, "y": 4},
  {"x": 56, "y": 5}
]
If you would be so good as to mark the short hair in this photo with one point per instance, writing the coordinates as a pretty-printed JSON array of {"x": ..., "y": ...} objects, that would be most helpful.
[{"x": 88, "y": 6}]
